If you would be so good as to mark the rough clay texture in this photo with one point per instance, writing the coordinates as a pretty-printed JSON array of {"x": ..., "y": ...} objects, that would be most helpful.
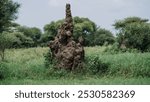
[{"x": 68, "y": 53}]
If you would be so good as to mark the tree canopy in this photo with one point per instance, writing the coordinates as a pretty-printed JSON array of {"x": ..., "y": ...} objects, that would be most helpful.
[
  {"x": 82, "y": 27},
  {"x": 30, "y": 37},
  {"x": 103, "y": 36},
  {"x": 134, "y": 32},
  {"x": 8, "y": 13},
  {"x": 6, "y": 41}
]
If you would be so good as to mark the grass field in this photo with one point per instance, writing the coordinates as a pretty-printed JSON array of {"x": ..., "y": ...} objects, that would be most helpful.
[
  {"x": 26, "y": 66},
  {"x": 86, "y": 81}
]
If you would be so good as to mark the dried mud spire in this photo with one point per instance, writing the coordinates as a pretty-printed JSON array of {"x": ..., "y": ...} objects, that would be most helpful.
[
  {"x": 65, "y": 50},
  {"x": 68, "y": 18}
]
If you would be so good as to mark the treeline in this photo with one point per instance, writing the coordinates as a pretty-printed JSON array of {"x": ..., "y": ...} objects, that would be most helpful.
[
  {"x": 132, "y": 32},
  {"x": 24, "y": 37},
  {"x": 92, "y": 34}
]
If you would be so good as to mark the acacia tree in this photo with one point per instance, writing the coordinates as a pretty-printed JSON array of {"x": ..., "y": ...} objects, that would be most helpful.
[
  {"x": 6, "y": 41},
  {"x": 134, "y": 32},
  {"x": 84, "y": 27},
  {"x": 8, "y": 13},
  {"x": 103, "y": 36},
  {"x": 32, "y": 34}
]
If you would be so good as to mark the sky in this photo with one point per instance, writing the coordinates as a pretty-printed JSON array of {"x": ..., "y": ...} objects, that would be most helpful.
[{"x": 37, "y": 13}]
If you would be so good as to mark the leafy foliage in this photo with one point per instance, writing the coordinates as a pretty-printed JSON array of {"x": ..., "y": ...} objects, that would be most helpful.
[
  {"x": 85, "y": 28},
  {"x": 48, "y": 59},
  {"x": 138, "y": 36},
  {"x": 96, "y": 66},
  {"x": 8, "y": 13},
  {"x": 134, "y": 32},
  {"x": 31, "y": 35},
  {"x": 23, "y": 41},
  {"x": 3, "y": 71},
  {"x": 29, "y": 64},
  {"x": 6, "y": 41},
  {"x": 103, "y": 36},
  {"x": 82, "y": 27}
]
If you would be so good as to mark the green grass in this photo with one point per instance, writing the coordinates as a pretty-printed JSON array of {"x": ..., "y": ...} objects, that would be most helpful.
[
  {"x": 88, "y": 81},
  {"x": 26, "y": 66}
]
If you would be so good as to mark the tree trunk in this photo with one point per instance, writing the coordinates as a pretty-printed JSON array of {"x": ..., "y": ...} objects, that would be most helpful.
[{"x": 2, "y": 54}]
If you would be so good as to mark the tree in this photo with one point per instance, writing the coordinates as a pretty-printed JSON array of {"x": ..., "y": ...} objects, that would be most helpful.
[
  {"x": 85, "y": 28},
  {"x": 103, "y": 36},
  {"x": 121, "y": 24},
  {"x": 82, "y": 27},
  {"x": 22, "y": 40},
  {"x": 138, "y": 36},
  {"x": 50, "y": 30},
  {"x": 35, "y": 35},
  {"x": 133, "y": 32},
  {"x": 8, "y": 13},
  {"x": 6, "y": 41},
  {"x": 32, "y": 35}
]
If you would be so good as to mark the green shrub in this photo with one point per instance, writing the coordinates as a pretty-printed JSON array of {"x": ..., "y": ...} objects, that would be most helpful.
[
  {"x": 48, "y": 59},
  {"x": 3, "y": 71},
  {"x": 114, "y": 49},
  {"x": 96, "y": 66}
]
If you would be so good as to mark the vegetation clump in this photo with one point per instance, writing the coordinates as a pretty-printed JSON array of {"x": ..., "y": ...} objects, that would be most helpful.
[{"x": 95, "y": 65}]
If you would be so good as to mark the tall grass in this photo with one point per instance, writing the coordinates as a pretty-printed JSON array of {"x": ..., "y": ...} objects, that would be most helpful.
[
  {"x": 26, "y": 63},
  {"x": 29, "y": 64},
  {"x": 123, "y": 64}
]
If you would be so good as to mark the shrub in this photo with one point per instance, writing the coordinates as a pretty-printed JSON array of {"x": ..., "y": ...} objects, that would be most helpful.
[
  {"x": 48, "y": 59},
  {"x": 92, "y": 65},
  {"x": 52, "y": 71},
  {"x": 114, "y": 49},
  {"x": 6, "y": 41},
  {"x": 95, "y": 65},
  {"x": 3, "y": 71}
]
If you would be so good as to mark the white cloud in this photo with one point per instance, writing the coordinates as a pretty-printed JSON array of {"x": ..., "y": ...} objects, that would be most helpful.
[{"x": 57, "y": 3}]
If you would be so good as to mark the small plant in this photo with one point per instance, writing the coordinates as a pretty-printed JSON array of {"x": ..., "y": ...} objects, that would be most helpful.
[
  {"x": 96, "y": 66},
  {"x": 48, "y": 59},
  {"x": 114, "y": 49},
  {"x": 3, "y": 71}
]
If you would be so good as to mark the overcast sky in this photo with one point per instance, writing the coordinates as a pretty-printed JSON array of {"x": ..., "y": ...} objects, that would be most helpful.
[{"x": 37, "y": 13}]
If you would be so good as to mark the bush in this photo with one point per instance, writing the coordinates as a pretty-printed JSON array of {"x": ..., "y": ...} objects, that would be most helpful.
[
  {"x": 52, "y": 71},
  {"x": 114, "y": 49},
  {"x": 48, "y": 59},
  {"x": 6, "y": 41},
  {"x": 92, "y": 65},
  {"x": 3, "y": 71},
  {"x": 96, "y": 66}
]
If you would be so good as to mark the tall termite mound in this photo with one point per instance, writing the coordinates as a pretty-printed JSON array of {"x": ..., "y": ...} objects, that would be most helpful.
[{"x": 68, "y": 53}]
